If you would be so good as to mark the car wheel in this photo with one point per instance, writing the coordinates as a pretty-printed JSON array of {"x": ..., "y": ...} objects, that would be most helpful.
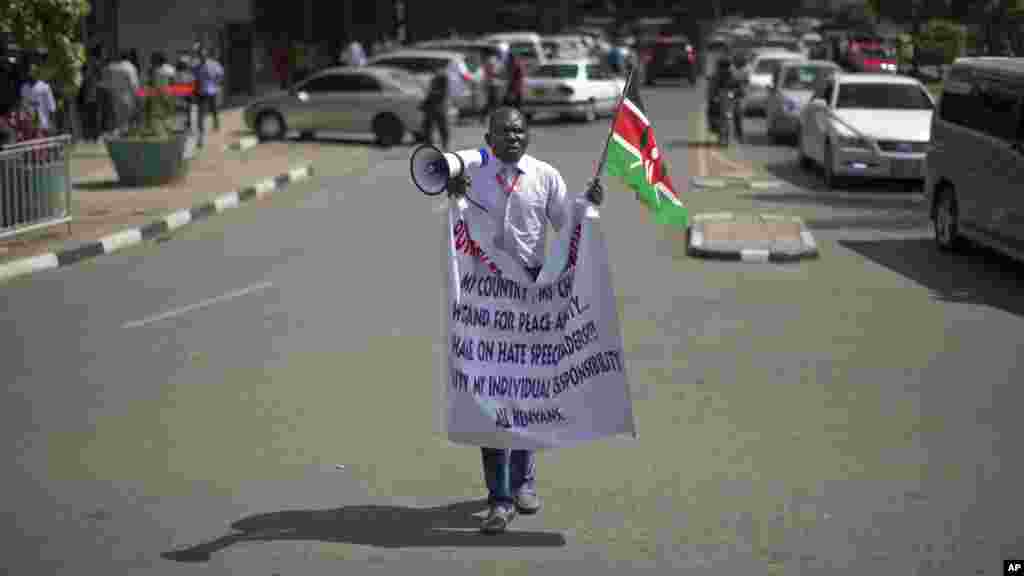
[
  {"x": 270, "y": 126},
  {"x": 831, "y": 180},
  {"x": 947, "y": 221},
  {"x": 388, "y": 130},
  {"x": 590, "y": 112}
]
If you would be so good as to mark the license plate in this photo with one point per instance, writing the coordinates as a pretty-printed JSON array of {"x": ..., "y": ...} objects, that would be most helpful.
[{"x": 905, "y": 168}]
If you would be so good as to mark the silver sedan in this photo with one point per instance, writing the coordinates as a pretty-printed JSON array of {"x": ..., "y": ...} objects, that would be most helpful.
[
  {"x": 384, "y": 102},
  {"x": 791, "y": 90}
]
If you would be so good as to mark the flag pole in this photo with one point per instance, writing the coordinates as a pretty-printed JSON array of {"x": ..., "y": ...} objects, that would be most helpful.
[{"x": 611, "y": 129}]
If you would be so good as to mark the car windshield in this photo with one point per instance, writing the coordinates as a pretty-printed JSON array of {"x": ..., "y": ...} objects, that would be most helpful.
[
  {"x": 804, "y": 77},
  {"x": 561, "y": 71},
  {"x": 883, "y": 96},
  {"x": 767, "y": 66}
]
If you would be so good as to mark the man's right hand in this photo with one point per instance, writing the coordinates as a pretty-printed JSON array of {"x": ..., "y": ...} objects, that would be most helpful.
[{"x": 459, "y": 186}]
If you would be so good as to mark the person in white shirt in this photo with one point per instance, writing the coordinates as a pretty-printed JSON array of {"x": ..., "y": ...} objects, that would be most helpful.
[
  {"x": 530, "y": 193},
  {"x": 37, "y": 95}
]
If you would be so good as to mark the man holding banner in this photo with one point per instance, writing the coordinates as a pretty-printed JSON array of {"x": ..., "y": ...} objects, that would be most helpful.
[{"x": 529, "y": 194}]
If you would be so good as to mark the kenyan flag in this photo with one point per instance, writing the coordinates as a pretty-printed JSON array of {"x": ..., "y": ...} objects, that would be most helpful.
[{"x": 633, "y": 155}]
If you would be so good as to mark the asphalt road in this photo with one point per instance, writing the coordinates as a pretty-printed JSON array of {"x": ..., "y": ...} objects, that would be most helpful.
[{"x": 257, "y": 395}]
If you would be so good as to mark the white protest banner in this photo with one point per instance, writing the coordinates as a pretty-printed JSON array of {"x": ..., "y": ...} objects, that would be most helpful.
[{"x": 532, "y": 365}]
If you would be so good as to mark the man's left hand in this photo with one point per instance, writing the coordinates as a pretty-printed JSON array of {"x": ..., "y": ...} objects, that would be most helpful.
[{"x": 595, "y": 192}]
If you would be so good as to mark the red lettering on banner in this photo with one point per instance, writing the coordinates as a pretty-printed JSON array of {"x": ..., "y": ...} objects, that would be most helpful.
[
  {"x": 574, "y": 244},
  {"x": 466, "y": 245}
]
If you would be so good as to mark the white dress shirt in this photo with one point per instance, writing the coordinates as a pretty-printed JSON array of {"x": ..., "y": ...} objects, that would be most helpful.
[
  {"x": 539, "y": 197},
  {"x": 39, "y": 96}
]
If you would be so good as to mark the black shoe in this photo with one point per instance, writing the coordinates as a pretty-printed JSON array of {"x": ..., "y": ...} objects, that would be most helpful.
[{"x": 498, "y": 518}]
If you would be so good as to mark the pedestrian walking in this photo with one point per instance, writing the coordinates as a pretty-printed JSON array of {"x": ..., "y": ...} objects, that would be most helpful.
[
  {"x": 516, "y": 82},
  {"x": 89, "y": 96},
  {"x": 209, "y": 79},
  {"x": 37, "y": 95},
  {"x": 490, "y": 87},
  {"x": 531, "y": 194},
  {"x": 183, "y": 74},
  {"x": 122, "y": 78},
  {"x": 161, "y": 72},
  {"x": 279, "y": 56},
  {"x": 435, "y": 108}
]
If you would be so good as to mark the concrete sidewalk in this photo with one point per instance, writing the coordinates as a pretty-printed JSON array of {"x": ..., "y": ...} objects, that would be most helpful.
[{"x": 101, "y": 206}]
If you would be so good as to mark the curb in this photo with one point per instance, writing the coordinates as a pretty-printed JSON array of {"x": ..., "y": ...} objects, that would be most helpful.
[
  {"x": 695, "y": 242},
  {"x": 242, "y": 144},
  {"x": 727, "y": 182},
  {"x": 172, "y": 221}
]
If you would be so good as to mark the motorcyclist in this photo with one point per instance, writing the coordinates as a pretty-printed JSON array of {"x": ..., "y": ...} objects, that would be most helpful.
[{"x": 723, "y": 79}]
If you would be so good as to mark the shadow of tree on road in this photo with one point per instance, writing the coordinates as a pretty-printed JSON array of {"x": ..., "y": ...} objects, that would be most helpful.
[
  {"x": 380, "y": 526},
  {"x": 979, "y": 276}
]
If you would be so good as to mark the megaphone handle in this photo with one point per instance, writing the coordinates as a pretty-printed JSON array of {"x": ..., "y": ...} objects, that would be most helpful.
[{"x": 462, "y": 170}]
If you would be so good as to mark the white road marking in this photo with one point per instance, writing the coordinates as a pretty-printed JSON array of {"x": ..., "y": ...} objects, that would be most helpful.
[{"x": 198, "y": 305}]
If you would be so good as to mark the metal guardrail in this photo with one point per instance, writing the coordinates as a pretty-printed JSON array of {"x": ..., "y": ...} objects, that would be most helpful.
[{"x": 35, "y": 185}]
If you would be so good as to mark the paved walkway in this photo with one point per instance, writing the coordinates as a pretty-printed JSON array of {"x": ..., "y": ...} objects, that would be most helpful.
[{"x": 102, "y": 206}]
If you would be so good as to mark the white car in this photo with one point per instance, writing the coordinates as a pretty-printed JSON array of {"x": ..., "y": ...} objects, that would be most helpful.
[
  {"x": 468, "y": 95},
  {"x": 869, "y": 126},
  {"x": 582, "y": 88},
  {"x": 791, "y": 90},
  {"x": 759, "y": 74}
]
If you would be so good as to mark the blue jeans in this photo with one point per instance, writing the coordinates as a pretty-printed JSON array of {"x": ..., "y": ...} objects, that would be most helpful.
[{"x": 506, "y": 472}]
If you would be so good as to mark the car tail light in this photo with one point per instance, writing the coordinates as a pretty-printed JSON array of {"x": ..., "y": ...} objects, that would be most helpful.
[{"x": 566, "y": 90}]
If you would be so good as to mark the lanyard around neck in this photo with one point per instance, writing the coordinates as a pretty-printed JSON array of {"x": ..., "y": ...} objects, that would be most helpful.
[{"x": 508, "y": 187}]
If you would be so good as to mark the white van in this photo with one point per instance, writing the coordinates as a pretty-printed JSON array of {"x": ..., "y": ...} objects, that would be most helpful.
[{"x": 527, "y": 45}]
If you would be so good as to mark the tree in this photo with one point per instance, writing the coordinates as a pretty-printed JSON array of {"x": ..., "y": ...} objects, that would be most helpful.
[{"x": 52, "y": 27}]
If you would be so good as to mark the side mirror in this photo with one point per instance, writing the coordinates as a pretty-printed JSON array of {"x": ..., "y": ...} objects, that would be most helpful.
[{"x": 302, "y": 96}]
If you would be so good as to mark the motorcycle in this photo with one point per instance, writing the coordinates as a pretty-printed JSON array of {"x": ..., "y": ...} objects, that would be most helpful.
[{"x": 725, "y": 119}]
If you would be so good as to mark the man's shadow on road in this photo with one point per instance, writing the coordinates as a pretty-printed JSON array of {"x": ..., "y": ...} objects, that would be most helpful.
[{"x": 381, "y": 526}]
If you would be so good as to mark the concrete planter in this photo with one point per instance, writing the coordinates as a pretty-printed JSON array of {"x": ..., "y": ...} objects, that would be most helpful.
[{"x": 141, "y": 162}]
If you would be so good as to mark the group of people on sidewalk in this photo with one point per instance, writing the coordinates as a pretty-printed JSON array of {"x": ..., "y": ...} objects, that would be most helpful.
[{"x": 109, "y": 97}]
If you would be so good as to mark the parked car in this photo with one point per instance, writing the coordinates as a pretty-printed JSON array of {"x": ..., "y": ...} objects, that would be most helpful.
[
  {"x": 423, "y": 64},
  {"x": 477, "y": 52},
  {"x": 384, "y": 102},
  {"x": 581, "y": 88},
  {"x": 975, "y": 177},
  {"x": 526, "y": 45},
  {"x": 867, "y": 126},
  {"x": 667, "y": 57},
  {"x": 791, "y": 90},
  {"x": 758, "y": 75}
]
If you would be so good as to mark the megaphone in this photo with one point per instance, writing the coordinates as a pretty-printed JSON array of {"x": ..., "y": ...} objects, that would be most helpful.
[{"x": 431, "y": 169}]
